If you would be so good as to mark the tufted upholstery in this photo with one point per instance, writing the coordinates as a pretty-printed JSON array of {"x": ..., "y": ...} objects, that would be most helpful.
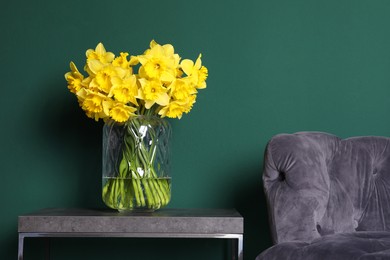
[{"x": 323, "y": 191}]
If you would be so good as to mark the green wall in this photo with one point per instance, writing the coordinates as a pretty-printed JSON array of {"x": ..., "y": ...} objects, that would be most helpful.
[{"x": 274, "y": 66}]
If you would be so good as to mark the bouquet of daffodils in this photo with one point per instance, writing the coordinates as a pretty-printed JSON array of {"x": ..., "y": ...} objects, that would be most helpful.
[
  {"x": 164, "y": 84},
  {"x": 119, "y": 89}
]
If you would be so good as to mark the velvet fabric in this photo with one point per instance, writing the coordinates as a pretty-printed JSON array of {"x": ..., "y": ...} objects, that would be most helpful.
[{"x": 328, "y": 198}]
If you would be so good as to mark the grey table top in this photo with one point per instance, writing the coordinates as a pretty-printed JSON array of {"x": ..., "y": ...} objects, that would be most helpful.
[{"x": 201, "y": 221}]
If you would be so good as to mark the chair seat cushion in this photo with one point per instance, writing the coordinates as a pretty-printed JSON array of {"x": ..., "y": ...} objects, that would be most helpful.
[{"x": 362, "y": 245}]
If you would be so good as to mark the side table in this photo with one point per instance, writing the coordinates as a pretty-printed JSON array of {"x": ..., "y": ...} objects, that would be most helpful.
[{"x": 164, "y": 223}]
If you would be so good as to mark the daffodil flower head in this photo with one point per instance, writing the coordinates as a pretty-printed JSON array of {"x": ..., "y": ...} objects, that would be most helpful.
[
  {"x": 100, "y": 54},
  {"x": 93, "y": 102},
  {"x": 159, "y": 62},
  {"x": 102, "y": 80},
  {"x": 122, "y": 62},
  {"x": 172, "y": 110},
  {"x": 182, "y": 89},
  {"x": 176, "y": 109},
  {"x": 124, "y": 90},
  {"x": 121, "y": 112},
  {"x": 74, "y": 79},
  {"x": 195, "y": 71},
  {"x": 153, "y": 91}
]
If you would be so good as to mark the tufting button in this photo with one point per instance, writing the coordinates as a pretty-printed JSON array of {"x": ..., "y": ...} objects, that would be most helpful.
[
  {"x": 282, "y": 176},
  {"x": 318, "y": 227}
]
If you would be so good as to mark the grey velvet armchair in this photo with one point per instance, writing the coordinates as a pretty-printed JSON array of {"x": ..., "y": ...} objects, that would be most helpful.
[{"x": 328, "y": 198}]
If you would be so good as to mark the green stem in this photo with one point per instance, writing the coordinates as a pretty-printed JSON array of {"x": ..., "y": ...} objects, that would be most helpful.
[
  {"x": 136, "y": 192},
  {"x": 145, "y": 188},
  {"x": 106, "y": 191},
  {"x": 140, "y": 193},
  {"x": 157, "y": 191},
  {"x": 122, "y": 195},
  {"x": 151, "y": 200}
]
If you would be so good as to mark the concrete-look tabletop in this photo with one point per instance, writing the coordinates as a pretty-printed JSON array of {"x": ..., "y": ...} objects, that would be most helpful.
[{"x": 201, "y": 221}]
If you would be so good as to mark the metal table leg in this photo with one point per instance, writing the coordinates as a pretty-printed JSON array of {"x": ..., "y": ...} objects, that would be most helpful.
[
  {"x": 237, "y": 248},
  {"x": 20, "y": 247},
  {"x": 240, "y": 249}
]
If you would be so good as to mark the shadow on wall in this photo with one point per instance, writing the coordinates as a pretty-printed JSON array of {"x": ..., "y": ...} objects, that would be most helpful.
[
  {"x": 77, "y": 139},
  {"x": 250, "y": 201},
  {"x": 10, "y": 247}
]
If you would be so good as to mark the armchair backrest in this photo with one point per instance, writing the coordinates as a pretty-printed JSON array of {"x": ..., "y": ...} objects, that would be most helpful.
[{"x": 318, "y": 184}]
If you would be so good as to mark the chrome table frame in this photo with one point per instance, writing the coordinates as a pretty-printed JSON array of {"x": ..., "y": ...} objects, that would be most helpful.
[{"x": 165, "y": 223}]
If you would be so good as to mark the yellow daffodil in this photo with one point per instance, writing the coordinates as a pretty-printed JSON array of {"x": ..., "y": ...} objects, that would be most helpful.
[
  {"x": 175, "y": 109},
  {"x": 124, "y": 64},
  {"x": 95, "y": 67},
  {"x": 102, "y": 79},
  {"x": 93, "y": 102},
  {"x": 121, "y": 112},
  {"x": 153, "y": 91},
  {"x": 189, "y": 103},
  {"x": 124, "y": 90},
  {"x": 74, "y": 79},
  {"x": 196, "y": 72},
  {"x": 97, "y": 59},
  {"x": 181, "y": 90},
  {"x": 159, "y": 62},
  {"x": 122, "y": 61},
  {"x": 172, "y": 110},
  {"x": 100, "y": 54}
]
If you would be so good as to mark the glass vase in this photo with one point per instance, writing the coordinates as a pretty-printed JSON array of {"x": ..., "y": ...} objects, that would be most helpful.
[{"x": 136, "y": 164}]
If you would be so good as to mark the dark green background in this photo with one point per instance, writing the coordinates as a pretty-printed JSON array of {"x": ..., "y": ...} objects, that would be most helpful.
[{"x": 274, "y": 66}]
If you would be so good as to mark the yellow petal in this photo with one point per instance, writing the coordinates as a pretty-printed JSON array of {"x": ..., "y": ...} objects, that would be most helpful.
[
  {"x": 133, "y": 60},
  {"x": 100, "y": 49},
  {"x": 198, "y": 63},
  {"x": 187, "y": 66},
  {"x": 107, "y": 105},
  {"x": 95, "y": 66},
  {"x": 167, "y": 77},
  {"x": 163, "y": 99},
  {"x": 149, "y": 104},
  {"x": 168, "y": 49},
  {"x": 73, "y": 67},
  {"x": 153, "y": 43},
  {"x": 82, "y": 93}
]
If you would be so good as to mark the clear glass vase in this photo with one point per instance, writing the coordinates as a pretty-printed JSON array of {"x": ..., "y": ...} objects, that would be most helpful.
[{"x": 136, "y": 164}]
